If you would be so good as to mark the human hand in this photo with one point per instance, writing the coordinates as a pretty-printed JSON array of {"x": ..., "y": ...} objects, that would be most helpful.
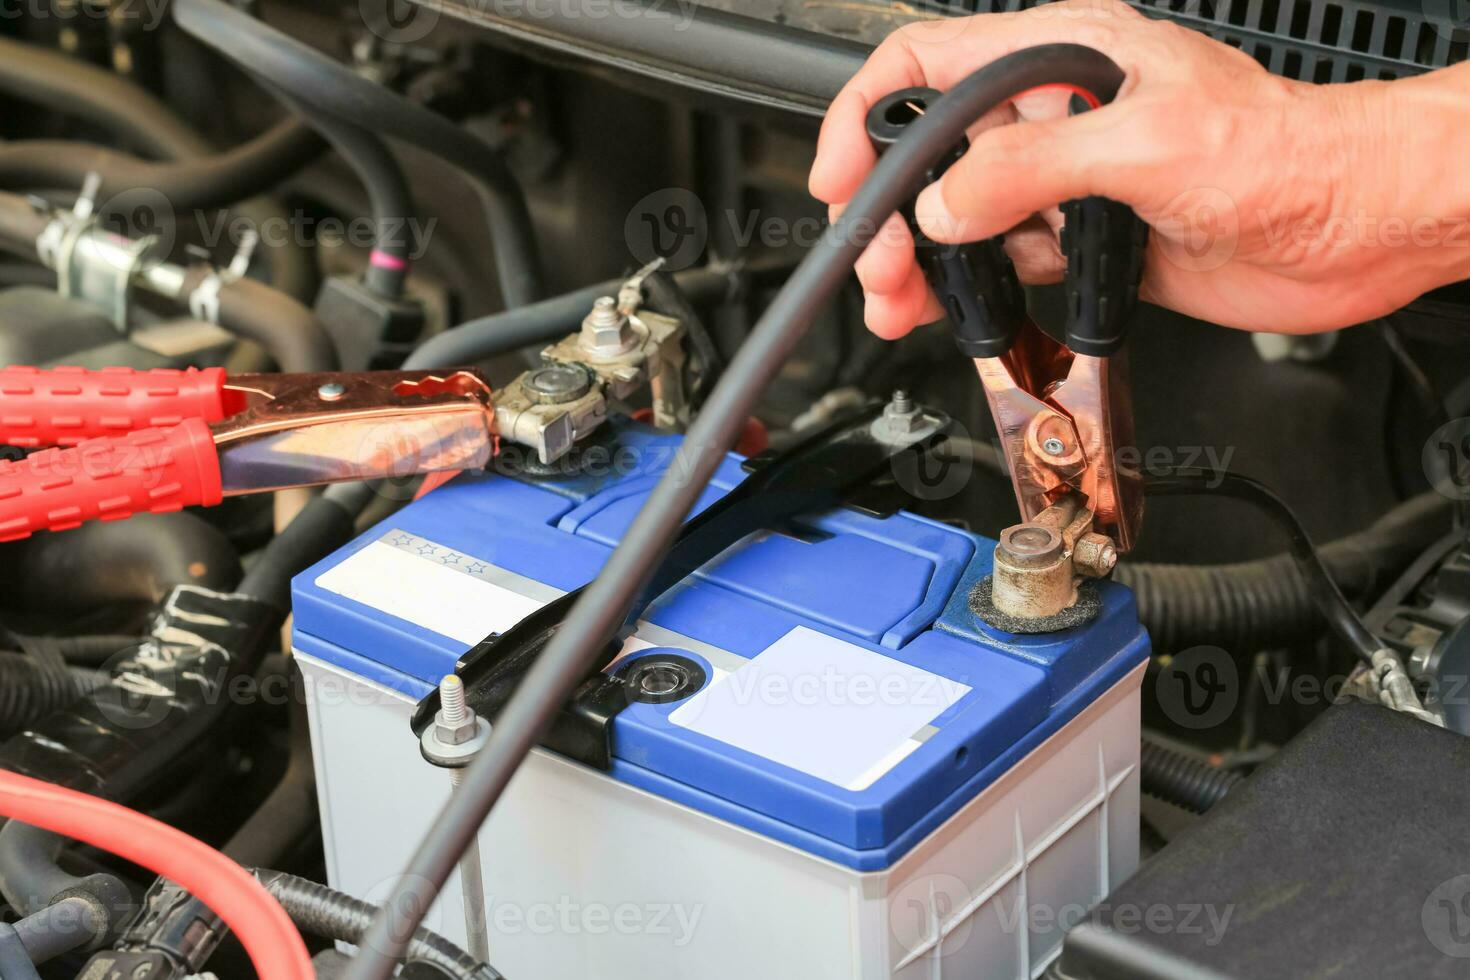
[{"x": 1275, "y": 205}]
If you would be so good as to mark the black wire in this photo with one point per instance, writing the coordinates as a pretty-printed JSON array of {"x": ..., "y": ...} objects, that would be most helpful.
[
  {"x": 1430, "y": 400},
  {"x": 389, "y": 197},
  {"x": 667, "y": 297},
  {"x": 1327, "y": 597},
  {"x": 330, "y": 87},
  {"x": 604, "y": 605}
]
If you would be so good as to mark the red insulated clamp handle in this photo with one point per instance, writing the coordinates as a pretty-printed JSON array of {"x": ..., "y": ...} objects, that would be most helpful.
[
  {"x": 66, "y": 406},
  {"x": 108, "y": 479}
]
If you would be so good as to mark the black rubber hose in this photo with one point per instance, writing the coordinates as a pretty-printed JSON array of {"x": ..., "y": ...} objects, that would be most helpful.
[
  {"x": 97, "y": 96},
  {"x": 15, "y": 961},
  {"x": 213, "y": 181},
  {"x": 288, "y": 814},
  {"x": 21, "y": 223},
  {"x": 331, "y": 87},
  {"x": 1255, "y": 605},
  {"x": 1185, "y": 782},
  {"x": 31, "y": 880},
  {"x": 146, "y": 556},
  {"x": 322, "y": 525},
  {"x": 1325, "y": 595},
  {"x": 56, "y": 929},
  {"x": 114, "y": 104},
  {"x": 389, "y": 197},
  {"x": 538, "y": 323},
  {"x": 604, "y": 605},
  {"x": 331, "y": 914},
  {"x": 31, "y": 689},
  {"x": 292, "y": 334}
]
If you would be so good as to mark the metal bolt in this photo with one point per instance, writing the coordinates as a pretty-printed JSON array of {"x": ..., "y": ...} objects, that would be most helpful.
[
  {"x": 1424, "y": 660},
  {"x": 452, "y": 706},
  {"x": 901, "y": 416},
  {"x": 1054, "y": 446},
  {"x": 455, "y": 723},
  {"x": 1094, "y": 554},
  {"x": 555, "y": 384},
  {"x": 331, "y": 391},
  {"x": 605, "y": 330}
]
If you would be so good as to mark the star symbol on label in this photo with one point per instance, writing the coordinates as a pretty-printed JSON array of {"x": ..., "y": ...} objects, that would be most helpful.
[
  {"x": 450, "y": 559},
  {"x": 428, "y": 549},
  {"x": 403, "y": 540},
  {"x": 477, "y": 568}
]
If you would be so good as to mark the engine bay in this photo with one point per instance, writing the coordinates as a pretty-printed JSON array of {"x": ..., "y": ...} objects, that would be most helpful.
[{"x": 455, "y": 523}]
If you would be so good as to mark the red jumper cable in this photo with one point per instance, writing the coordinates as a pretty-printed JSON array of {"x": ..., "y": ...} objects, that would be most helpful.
[{"x": 124, "y": 441}]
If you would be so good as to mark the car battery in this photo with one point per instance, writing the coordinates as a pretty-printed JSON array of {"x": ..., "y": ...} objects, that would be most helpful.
[{"x": 848, "y": 776}]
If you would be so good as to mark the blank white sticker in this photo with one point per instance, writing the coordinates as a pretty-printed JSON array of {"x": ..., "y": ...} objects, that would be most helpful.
[
  {"x": 427, "y": 593},
  {"x": 822, "y": 706}
]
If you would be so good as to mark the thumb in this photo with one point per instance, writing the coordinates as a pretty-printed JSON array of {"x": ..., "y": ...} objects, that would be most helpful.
[{"x": 1012, "y": 172}]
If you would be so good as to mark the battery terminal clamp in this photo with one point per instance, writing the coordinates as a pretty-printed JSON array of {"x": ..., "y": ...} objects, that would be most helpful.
[
  {"x": 1062, "y": 411},
  {"x": 620, "y": 349}
]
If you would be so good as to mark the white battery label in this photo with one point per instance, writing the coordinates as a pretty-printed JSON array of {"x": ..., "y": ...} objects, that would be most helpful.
[
  {"x": 822, "y": 706},
  {"x": 436, "y": 587}
]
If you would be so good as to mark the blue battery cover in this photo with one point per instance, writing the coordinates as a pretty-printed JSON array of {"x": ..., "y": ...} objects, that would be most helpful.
[{"x": 851, "y": 702}]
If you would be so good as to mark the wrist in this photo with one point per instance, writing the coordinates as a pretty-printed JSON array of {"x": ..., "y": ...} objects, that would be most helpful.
[{"x": 1425, "y": 210}]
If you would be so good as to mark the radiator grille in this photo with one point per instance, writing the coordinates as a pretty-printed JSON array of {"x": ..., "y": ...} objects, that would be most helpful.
[{"x": 1310, "y": 40}]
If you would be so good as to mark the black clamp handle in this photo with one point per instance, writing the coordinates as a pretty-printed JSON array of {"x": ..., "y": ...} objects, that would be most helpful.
[
  {"x": 1104, "y": 243},
  {"x": 976, "y": 283}
]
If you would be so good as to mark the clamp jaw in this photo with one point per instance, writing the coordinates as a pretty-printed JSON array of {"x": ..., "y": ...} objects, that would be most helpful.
[{"x": 1061, "y": 411}]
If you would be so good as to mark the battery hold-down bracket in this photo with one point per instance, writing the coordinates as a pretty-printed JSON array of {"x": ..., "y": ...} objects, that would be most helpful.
[{"x": 834, "y": 466}]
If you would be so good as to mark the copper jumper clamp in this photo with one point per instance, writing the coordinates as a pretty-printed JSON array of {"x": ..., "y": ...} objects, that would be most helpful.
[{"x": 1062, "y": 410}]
